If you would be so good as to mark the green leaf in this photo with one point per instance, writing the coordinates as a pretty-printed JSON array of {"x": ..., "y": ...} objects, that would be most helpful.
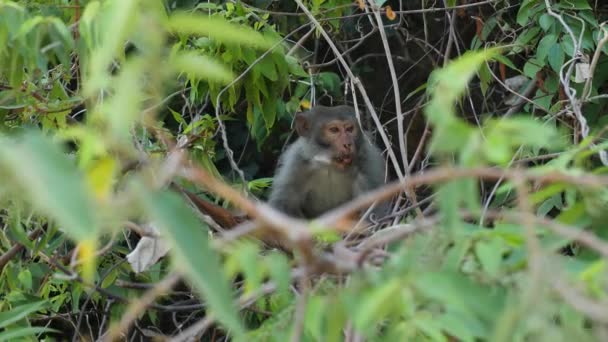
[
  {"x": 574, "y": 4},
  {"x": 524, "y": 38},
  {"x": 336, "y": 318},
  {"x": 497, "y": 149},
  {"x": 567, "y": 46},
  {"x": 50, "y": 181},
  {"x": 20, "y": 312},
  {"x": 547, "y": 192},
  {"x": 201, "y": 67},
  {"x": 316, "y": 307},
  {"x": 217, "y": 28},
  {"x": 279, "y": 270},
  {"x": 85, "y": 25},
  {"x": 430, "y": 326},
  {"x": 542, "y": 99},
  {"x": 488, "y": 27},
  {"x": 269, "y": 111},
  {"x": 418, "y": 89},
  {"x": 451, "y": 135},
  {"x": 294, "y": 66},
  {"x": 449, "y": 83},
  {"x": 257, "y": 185},
  {"x": 551, "y": 83},
  {"x": 556, "y": 57},
  {"x": 524, "y": 12},
  {"x": 25, "y": 278},
  {"x": 113, "y": 25},
  {"x": 470, "y": 194},
  {"x": 178, "y": 118},
  {"x": 527, "y": 131},
  {"x": 489, "y": 254},
  {"x": 485, "y": 78},
  {"x": 531, "y": 67},
  {"x": 374, "y": 306},
  {"x": 591, "y": 19},
  {"x": 545, "y": 44},
  {"x": 457, "y": 292},
  {"x": 506, "y": 61},
  {"x": 76, "y": 293},
  {"x": 247, "y": 255},
  {"x": 449, "y": 200},
  {"x": 463, "y": 325},
  {"x": 545, "y": 21},
  {"x": 124, "y": 108},
  {"x": 192, "y": 253},
  {"x": 61, "y": 35},
  {"x": 548, "y": 205},
  {"x": 28, "y": 26},
  {"x": 15, "y": 334},
  {"x": 267, "y": 68},
  {"x": 329, "y": 81},
  {"x": 207, "y": 6}
]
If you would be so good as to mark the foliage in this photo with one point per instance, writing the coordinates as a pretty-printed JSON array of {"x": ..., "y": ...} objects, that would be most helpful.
[{"x": 107, "y": 106}]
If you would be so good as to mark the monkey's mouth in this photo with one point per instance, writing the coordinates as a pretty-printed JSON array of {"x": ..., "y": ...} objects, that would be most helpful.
[{"x": 343, "y": 161}]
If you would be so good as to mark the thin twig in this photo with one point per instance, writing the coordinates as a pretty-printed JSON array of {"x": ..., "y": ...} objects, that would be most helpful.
[
  {"x": 347, "y": 51},
  {"x": 396, "y": 93},
  {"x": 300, "y": 310},
  {"x": 594, "y": 309},
  {"x": 451, "y": 35},
  {"x": 139, "y": 305},
  {"x": 199, "y": 327},
  {"x": 16, "y": 248},
  {"x": 594, "y": 60},
  {"x": 439, "y": 175}
]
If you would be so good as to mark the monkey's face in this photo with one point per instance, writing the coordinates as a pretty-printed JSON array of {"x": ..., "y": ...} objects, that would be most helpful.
[
  {"x": 332, "y": 134},
  {"x": 340, "y": 136}
]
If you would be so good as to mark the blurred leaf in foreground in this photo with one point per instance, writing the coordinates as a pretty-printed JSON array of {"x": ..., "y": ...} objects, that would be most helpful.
[
  {"x": 218, "y": 29},
  {"x": 45, "y": 177},
  {"x": 193, "y": 254},
  {"x": 446, "y": 86},
  {"x": 201, "y": 66}
]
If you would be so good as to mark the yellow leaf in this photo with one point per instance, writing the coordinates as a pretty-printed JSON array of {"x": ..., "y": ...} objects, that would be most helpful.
[
  {"x": 390, "y": 14},
  {"x": 100, "y": 177},
  {"x": 305, "y": 104},
  {"x": 361, "y": 4},
  {"x": 86, "y": 258}
]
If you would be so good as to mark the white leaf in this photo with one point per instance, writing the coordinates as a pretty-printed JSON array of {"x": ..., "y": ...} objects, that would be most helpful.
[
  {"x": 148, "y": 251},
  {"x": 582, "y": 72}
]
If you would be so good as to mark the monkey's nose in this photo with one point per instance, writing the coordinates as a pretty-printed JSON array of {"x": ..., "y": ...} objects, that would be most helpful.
[{"x": 348, "y": 146}]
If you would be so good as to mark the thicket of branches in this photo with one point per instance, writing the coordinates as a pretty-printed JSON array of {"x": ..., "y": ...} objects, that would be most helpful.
[{"x": 138, "y": 140}]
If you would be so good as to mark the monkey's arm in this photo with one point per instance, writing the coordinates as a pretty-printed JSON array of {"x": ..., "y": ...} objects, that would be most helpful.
[{"x": 287, "y": 193}]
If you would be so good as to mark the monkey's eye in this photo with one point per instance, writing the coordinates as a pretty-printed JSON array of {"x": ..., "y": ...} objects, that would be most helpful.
[
  {"x": 334, "y": 129},
  {"x": 350, "y": 129}
]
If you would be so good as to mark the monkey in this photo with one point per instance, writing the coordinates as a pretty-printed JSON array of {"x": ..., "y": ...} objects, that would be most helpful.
[{"x": 329, "y": 164}]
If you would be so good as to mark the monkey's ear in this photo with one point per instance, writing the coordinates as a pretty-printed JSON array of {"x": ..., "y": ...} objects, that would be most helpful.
[{"x": 302, "y": 124}]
